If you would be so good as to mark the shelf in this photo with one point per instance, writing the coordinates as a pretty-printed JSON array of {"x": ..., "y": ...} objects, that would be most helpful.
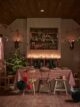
[{"x": 44, "y": 38}]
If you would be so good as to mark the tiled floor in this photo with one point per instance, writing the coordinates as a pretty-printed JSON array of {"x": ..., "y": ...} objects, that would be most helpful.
[{"x": 38, "y": 100}]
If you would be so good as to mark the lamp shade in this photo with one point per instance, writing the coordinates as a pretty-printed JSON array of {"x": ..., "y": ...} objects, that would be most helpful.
[{"x": 17, "y": 36}]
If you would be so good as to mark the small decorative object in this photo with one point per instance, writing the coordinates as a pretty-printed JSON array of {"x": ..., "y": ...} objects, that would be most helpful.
[
  {"x": 72, "y": 44},
  {"x": 25, "y": 79},
  {"x": 21, "y": 85},
  {"x": 29, "y": 86},
  {"x": 59, "y": 77},
  {"x": 25, "y": 76},
  {"x": 64, "y": 78}
]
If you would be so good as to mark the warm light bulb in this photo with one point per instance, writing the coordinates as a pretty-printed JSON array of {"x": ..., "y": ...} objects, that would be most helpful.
[{"x": 42, "y": 10}]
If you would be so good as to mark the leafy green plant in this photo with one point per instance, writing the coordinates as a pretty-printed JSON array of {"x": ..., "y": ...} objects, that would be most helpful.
[{"x": 15, "y": 62}]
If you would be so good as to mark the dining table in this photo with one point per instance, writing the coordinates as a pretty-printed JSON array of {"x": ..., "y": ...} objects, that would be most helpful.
[{"x": 53, "y": 74}]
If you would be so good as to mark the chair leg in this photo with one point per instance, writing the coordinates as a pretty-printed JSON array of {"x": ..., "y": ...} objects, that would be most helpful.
[
  {"x": 49, "y": 85},
  {"x": 33, "y": 85},
  {"x": 39, "y": 86},
  {"x": 55, "y": 87},
  {"x": 65, "y": 87}
]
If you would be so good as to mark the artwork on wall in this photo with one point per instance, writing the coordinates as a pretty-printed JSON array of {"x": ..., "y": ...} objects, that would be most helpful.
[{"x": 44, "y": 38}]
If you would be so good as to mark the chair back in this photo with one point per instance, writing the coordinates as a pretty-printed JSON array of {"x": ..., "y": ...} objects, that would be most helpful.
[
  {"x": 33, "y": 74},
  {"x": 45, "y": 75}
]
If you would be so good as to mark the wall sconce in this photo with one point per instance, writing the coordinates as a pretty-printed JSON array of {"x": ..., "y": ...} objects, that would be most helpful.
[
  {"x": 16, "y": 44},
  {"x": 71, "y": 40},
  {"x": 72, "y": 44},
  {"x": 17, "y": 38}
]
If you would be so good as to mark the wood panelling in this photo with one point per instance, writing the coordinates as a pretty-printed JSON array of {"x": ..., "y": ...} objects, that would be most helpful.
[{"x": 12, "y": 9}]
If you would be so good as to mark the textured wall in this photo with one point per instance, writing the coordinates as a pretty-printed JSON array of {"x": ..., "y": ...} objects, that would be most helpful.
[{"x": 69, "y": 58}]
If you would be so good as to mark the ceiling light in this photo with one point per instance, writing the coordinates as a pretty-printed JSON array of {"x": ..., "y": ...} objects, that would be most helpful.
[{"x": 42, "y": 10}]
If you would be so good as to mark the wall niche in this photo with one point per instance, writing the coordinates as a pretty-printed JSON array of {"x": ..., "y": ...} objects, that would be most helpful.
[{"x": 44, "y": 39}]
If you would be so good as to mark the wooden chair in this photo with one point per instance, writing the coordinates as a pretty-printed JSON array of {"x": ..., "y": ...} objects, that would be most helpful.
[
  {"x": 3, "y": 78},
  {"x": 77, "y": 79},
  {"x": 44, "y": 80},
  {"x": 32, "y": 79},
  {"x": 62, "y": 87}
]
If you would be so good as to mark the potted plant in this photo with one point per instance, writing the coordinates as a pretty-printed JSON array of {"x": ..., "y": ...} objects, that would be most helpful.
[{"x": 15, "y": 62}]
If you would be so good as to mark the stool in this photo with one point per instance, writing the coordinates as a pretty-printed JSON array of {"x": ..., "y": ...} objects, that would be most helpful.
[{"x": 56, "y": 88}]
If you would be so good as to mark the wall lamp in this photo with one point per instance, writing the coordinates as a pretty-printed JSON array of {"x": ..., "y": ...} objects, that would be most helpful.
[
  {"x": 17, "y": 38},
  {"x": 16, "y": 44},
  {"x": 72, "y": 42}
]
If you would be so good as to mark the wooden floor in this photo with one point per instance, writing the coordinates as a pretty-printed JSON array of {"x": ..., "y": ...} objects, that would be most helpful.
[{"x": 38, "y": 100}]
